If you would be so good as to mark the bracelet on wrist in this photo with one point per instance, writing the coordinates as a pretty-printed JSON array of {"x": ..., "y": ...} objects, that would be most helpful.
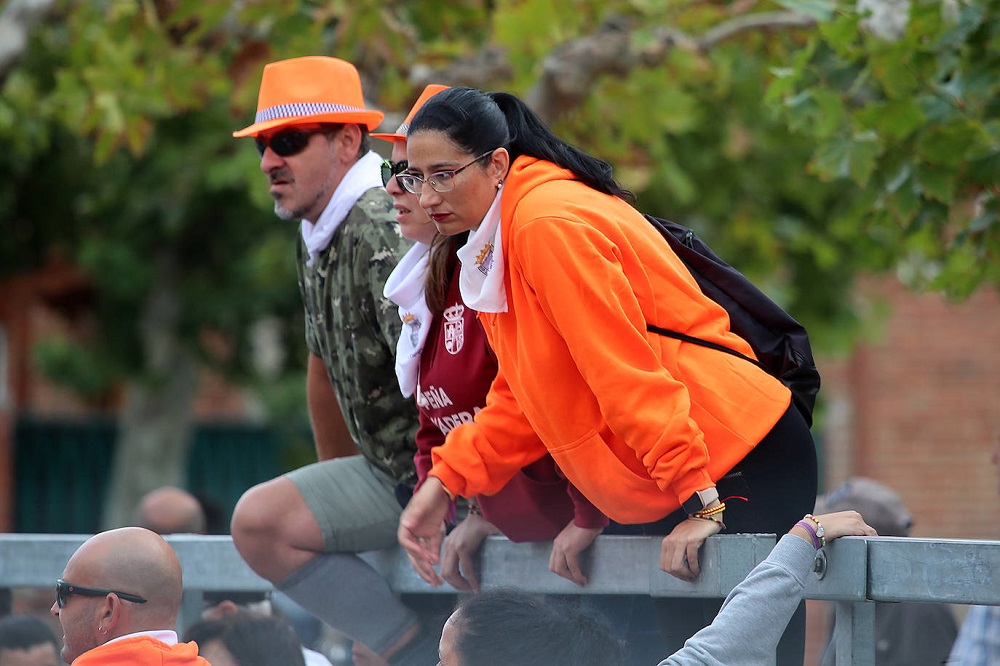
[
  {"x": 711, "y": 511},
  {"x": 820, "y": 530},
  {"x": 714, "y": 519},
  {"x": 809, "y": 523}
]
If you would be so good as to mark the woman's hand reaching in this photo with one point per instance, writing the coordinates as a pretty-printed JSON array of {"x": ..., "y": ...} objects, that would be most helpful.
[{"x": 421, "y": 528}]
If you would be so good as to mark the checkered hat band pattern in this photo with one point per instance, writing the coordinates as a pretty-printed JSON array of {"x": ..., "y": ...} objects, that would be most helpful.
[
  {"x": 302, "y": 109},
  {"x": 403, "y": 129}
]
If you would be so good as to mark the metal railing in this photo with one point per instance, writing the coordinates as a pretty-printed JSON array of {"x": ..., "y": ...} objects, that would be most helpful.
[{"x": 855, "y": 572}]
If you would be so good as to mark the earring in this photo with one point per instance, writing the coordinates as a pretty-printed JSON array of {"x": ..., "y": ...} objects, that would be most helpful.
[
  {"x": 499, "y": 184},
  {"x": 100, "y": 629}
]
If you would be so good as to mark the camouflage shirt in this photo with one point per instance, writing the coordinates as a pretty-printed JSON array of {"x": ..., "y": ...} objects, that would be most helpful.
[{"x": 353, "y": 328}]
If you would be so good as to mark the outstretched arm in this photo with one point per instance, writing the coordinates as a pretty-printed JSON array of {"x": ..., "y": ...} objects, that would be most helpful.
[{"x": 755, "y": 613}]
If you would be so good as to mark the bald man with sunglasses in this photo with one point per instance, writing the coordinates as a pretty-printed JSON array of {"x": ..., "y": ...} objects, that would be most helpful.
[{"x": 117, "y": 602}]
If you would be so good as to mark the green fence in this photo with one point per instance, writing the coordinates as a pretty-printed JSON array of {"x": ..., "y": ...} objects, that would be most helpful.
[{"x": 62, "y": 469}]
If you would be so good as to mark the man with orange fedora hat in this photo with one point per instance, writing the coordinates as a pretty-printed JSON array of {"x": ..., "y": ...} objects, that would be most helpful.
[{"x": 302, "y": 531}]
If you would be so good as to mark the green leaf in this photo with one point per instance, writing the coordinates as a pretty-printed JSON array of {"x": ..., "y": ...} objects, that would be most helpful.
[
  {"x": 894, "y": 71},
  {"x": 852, "y": 157},
  {"x": 864, "y": 152},
  {"x": 842, "y": 33},
  {"x": 893, "y": 119},
  {"x": 948, "y": 144},
  {"x": 936, "y": 182}
]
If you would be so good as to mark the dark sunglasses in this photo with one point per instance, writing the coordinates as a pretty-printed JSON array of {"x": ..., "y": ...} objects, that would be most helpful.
[
  {"x": 65, "y": 590},
  {"x": 390, "y": 169},
  {"x": 287, "y": 143}
]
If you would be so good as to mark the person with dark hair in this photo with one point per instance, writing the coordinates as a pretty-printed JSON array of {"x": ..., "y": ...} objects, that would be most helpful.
[
  {"x": 677, "y": 438},
  {"x": 223, "y": 604},
  {"x": 504, "y": 627},
  {"x": 303, "y": 530},
  {"x": 27, "y": 641},
  {"x": 443, "y": 359},
  {"x": 118, "y": 599},
  {"x": 246, "y": 639}
]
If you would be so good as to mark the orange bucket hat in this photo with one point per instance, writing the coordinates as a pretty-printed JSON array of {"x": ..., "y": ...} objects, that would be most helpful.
[
  {"x": 307, "y": 90},
  {"x": 400, "y": 135}
]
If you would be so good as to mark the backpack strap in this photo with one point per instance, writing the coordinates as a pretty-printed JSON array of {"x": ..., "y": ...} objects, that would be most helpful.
[{"x": 684, "y": 337}]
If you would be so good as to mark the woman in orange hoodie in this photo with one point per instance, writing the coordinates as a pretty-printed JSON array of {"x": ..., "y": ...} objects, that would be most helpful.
[{"x": 671, "y": 437}]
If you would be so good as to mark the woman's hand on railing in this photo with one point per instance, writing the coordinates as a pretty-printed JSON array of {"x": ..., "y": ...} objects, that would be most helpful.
[
  {"x": 421, "y": 528},
  {"x": 834, "y": 525}
]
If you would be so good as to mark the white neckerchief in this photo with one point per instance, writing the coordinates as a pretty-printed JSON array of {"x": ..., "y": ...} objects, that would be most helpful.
[
  {"x": 481, "y": 276},
  {"x": 363, "y": 176},
  {"x": 405, "y": 288}
]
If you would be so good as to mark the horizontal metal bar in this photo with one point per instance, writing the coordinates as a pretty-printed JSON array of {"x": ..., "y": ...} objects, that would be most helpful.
[
  {"x": 613, "y": 565},
  {"x": 947, "y": 570},
  {"x": 856, "y": 569},
  {"x": 207, "y": 562}
]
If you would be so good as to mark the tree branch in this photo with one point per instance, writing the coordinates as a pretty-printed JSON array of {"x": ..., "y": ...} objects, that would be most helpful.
[{"x": 569, "y": 72}]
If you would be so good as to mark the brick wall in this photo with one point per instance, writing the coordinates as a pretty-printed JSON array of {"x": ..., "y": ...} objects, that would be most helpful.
[{"x": 918, "y": 408}]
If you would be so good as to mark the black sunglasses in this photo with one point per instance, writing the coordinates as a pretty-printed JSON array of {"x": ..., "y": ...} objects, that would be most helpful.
[
  {"x": 287, "y": 143},
  {"x": 390, "y": 169},
  {"x": 65, "y": 590}
]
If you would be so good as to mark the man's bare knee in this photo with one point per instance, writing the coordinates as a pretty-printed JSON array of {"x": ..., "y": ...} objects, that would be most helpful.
[{"x": 274, "y": 530}]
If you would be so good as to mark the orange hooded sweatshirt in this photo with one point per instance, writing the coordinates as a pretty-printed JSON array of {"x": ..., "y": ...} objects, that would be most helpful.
[
  {"x": 638, "y": 422},
  {"x": 141, "y": 651}
]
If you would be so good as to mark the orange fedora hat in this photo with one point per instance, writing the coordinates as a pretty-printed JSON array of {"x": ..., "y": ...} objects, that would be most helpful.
[
  {"x": 400, "y": 135},
  {"x": 311, "y": 89}
]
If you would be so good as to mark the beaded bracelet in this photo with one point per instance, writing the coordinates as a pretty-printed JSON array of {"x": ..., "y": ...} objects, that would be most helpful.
[
  {"x": 705, "y": 513},
  {"x": 815, "y": 533},
  {"x": 820, "y": 530},
  {"x": 474, "y": 509},
  {"x": 721, "y": 524}
]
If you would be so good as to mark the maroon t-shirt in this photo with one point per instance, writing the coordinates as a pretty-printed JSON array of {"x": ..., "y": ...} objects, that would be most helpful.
[{"x": 457, "y": 367}]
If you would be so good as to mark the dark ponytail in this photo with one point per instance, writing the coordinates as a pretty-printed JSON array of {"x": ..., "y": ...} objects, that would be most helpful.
[{"x": 479, "y": 122}]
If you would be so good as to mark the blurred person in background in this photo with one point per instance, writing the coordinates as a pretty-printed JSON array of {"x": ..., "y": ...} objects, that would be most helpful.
[
  {"x": 246, "y": 639},
  {"x": 171, "y": 510},
  {"x": 907, "y": 633},
  {"x": 27, "y": 641}
]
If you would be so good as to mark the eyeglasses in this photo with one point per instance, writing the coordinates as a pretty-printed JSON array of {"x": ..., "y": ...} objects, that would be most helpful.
[
  {"x": 287, "y": 143},
  {"x": 390, "y": 169},
  {"x": 440, "y": 181},
  {"x": 65, "y": 590}
]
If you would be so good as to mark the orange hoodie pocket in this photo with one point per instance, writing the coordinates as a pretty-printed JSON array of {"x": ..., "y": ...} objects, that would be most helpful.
[{"x": 621, "y": 494}]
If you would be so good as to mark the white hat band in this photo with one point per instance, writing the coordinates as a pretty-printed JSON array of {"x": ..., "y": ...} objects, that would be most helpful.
[{"x": 302, "y": 109}]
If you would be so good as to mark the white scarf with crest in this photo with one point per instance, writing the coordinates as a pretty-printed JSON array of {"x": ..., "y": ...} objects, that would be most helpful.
[
  {"x": 481, "y": 276},
  {"x": 363, "y": 176},
  {"x": 405, "y": 288}
]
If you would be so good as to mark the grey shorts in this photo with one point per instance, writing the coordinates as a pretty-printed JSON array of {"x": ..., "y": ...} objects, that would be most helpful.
[{"x": 353, "y": 502}]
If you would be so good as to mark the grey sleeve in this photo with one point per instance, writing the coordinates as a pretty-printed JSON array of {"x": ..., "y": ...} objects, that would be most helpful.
[{"x": 756, "y": 612}]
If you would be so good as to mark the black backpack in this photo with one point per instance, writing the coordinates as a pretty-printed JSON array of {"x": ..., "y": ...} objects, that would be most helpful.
[{"x": 780, "y": 343}]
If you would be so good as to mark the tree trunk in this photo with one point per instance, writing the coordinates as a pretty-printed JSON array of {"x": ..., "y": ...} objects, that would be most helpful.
[{"x": 156, "y": 422}]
